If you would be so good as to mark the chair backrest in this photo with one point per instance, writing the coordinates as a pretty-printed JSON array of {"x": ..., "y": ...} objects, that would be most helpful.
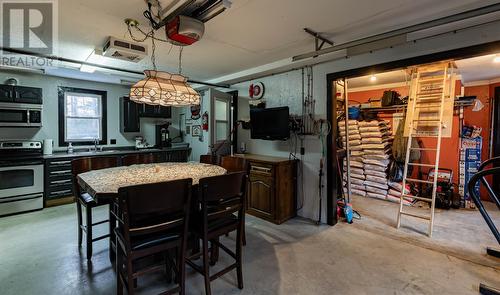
[
  {"x": 82, "y": 165},
  {"x": 234, "y": 164},
  {"x": 209, "y": 159},
  {"x": 222, "y": 195},
  {"x": 155, "y": 207},
  {"x": 142, "y": 158}
]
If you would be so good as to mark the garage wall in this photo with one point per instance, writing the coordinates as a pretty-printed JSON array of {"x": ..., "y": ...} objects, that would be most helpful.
[{"x": 288, "y": 86}]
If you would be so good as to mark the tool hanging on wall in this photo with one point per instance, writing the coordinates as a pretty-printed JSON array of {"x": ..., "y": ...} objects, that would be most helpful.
[{"x": 322, "y": 128}]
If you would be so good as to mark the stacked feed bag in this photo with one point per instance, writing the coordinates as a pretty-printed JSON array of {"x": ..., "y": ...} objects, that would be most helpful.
[
  {"x": 356, "y": 158},
  {"x": 376, "y": 142},
  {"x": 394, "y": 193}
]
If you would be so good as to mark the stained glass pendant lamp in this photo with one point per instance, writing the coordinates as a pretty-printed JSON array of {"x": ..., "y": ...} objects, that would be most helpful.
[{"x": 164, "y": 89}]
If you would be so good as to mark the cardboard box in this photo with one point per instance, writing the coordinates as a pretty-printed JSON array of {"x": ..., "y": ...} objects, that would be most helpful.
[{"x": 470, "y": 159}]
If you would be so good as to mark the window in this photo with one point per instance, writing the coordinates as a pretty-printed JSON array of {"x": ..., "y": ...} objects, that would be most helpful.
[{"x": 82, "y": 116}]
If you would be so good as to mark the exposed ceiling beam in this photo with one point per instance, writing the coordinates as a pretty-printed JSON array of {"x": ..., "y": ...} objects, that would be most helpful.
[
  {"x": 398, "y": 36},
  {"x": 73, "y": 61}
]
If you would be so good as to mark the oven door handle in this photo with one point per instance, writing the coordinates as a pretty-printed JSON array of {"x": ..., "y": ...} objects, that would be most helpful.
[{"x": 23, "y": 199}]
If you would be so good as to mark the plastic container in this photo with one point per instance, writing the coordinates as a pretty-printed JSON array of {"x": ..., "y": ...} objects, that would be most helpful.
[{"x": 353, "y": 113}]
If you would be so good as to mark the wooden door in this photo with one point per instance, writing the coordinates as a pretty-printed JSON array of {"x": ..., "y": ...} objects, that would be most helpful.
[{"x": 261, "y": 196}]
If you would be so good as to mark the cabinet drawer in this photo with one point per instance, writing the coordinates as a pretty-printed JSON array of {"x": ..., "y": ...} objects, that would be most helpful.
[
  {"x": 65, "y": 192},
  {"x": 58, "y": 183},
  {"x": 261, "y": 169},
  {"x": 57, "y": 174}
]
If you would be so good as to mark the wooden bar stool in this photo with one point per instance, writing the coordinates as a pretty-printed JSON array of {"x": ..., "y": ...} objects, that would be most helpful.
[
  {"x": 79, "y": 166},
  {"x": 152, "y": 219},
  {"x": 209, "y": 159},
  {"x": 237, "y": 164},
  {"x": 221, "y": 197},
  {"x": 140, "y": 158}
]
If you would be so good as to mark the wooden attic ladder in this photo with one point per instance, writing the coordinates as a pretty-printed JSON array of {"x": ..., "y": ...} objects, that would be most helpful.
[{"x": 430, "y": 92}]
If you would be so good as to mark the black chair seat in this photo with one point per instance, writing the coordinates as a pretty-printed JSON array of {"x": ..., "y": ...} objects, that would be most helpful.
[
  {"x": 223, "y": 222},
  {"x": 144, "y": 242}
]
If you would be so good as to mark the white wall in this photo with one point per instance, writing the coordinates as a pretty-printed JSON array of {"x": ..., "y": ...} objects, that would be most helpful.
[
  {"x": 50, "y": 84},
  {"x": 199, "y": 146}
]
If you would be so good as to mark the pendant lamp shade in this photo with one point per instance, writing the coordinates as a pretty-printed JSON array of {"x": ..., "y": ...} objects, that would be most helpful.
[{"x": 165, "y": 89}]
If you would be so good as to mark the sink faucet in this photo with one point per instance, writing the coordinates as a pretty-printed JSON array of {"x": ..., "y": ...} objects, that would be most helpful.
[{"x": 96, "y": 143}]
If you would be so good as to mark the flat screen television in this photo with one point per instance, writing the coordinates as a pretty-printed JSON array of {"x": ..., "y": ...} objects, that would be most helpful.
[{"x": 270, "y": 124}]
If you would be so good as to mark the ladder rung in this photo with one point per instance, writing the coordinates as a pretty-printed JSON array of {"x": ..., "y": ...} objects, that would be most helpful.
[
  {"x": 426, "y": 120},
  {"x": 415, "y": 215},
  {"x": 418, "y": 198},
  {"x": 426, "y": 107},
  {"x": 421, "y": 165},
  {"x": 419, "y": 180},
  {"x": 424, "y": 149},
  {"x": 426, "y": 80}
]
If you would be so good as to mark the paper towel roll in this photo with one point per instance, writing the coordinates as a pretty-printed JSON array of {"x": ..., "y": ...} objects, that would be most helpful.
[{"x": 47, "y": 146}]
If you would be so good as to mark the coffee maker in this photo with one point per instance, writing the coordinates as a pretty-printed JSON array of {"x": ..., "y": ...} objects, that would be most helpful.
[{"x": 163, "y": 136}]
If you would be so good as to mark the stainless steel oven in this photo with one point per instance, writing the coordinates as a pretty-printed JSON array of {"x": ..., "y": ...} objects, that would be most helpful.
[
  {"x": 21, "y": 177},
  {"x": 20, "y": 115}
]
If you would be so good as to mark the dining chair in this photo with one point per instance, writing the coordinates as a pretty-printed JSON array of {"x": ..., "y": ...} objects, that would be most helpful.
[
  {"x": 140, "y": 158},
  {"x": 152, "y": 219},
  {"x": 234, "y": 164},
  {"x": 220, "y": 198},
  {"x": 79, "y": 166},
  {"x": 210, "y": 159}
]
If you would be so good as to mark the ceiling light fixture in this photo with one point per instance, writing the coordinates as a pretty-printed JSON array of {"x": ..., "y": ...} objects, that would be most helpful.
[
  {"x": 496, "y": 59},
  {"x": 373, "y": 78},
  {"x": 163, "y": 88}
]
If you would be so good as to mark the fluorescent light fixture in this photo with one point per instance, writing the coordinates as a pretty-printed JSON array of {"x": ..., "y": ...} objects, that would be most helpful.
[
  {"x": 22, "y": 69},
  {"x": 496, "y": 59},
  {"x": 373, "y": 78},
  {"x": 87, "y": 69}
]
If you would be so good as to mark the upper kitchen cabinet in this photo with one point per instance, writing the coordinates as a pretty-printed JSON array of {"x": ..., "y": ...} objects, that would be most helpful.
[
  {"x": 149, "y": 111},
  {"x": 130, "y": 115},
  {"x": 20, "y": 94},
  {"x": 24, "y": 94},
  {"x": 6, "y": 93}
]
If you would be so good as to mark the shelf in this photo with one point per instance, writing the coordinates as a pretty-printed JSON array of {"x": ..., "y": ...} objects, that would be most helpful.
[{"x": 395, "y": 108}]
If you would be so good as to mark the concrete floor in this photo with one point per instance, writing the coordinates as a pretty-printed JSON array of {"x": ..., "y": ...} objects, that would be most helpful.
[
  {"x": 39, "y": 255},
  {"x": 461, "y": 233}
]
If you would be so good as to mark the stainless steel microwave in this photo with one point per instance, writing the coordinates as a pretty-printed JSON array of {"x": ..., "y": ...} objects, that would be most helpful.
[{"x": 20, "y": 115}]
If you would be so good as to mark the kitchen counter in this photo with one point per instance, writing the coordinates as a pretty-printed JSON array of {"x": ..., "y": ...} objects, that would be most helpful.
[{"x": 117, "y": 151}]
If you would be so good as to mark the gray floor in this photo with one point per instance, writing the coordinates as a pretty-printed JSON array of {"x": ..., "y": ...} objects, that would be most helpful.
[{"x": 39, "y": 255}]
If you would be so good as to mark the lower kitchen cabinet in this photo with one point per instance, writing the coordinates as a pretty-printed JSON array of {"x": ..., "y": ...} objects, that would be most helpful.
[
  {"x": 58, "y": 183},
  {"x": 271, "y": 190}
]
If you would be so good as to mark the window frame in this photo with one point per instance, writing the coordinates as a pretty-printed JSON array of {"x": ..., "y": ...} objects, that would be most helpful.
[{"x": 63, "y": 93}]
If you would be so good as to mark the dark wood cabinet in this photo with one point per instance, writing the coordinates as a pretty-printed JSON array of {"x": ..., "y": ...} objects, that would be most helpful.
[
  {"x": 271, "y": 191},
  {"x": 149, "y": 111},
  {"x": 24, "y": 94},
  {"x": 130, "y": 115},
  {"x": 6, "y": 93},
  {"x": 20, "y": 94},
  {"x": 58, "y": 187}
]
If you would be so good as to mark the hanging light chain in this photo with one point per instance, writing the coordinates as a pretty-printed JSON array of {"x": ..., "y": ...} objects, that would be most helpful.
[{"x": 180, "y": 59}]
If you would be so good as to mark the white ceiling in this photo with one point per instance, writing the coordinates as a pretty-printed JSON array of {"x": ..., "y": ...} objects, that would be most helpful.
[
  {"x": 249, "y": 34},
  {"x": 481, "y": 68},
  {"x": 478, "y": 68}
]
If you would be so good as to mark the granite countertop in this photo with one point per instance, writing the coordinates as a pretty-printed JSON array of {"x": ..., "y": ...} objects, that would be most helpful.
[
  {"x": 105, "y": 152},
  {"x": 108, "y": 181}
]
